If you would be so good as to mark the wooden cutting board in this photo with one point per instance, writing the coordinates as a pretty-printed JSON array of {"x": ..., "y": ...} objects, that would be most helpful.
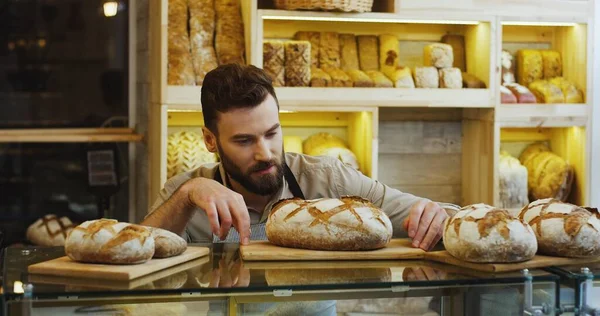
[
  {"x": 64, "y": 266},
  {"x": 141, "y": 282},
  {"x": 265, "y": 251},
  {"x": 537, "y": 262}
]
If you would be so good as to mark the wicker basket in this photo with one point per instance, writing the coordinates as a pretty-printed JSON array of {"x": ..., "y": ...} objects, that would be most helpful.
[{"x": 327, "y": 5}]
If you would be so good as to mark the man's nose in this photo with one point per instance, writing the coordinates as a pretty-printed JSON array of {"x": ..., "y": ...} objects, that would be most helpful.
[{"x": 263, "y": 151}]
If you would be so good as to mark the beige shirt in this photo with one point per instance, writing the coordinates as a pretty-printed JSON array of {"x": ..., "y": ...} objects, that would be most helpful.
[{"x": 318, "y": 177}]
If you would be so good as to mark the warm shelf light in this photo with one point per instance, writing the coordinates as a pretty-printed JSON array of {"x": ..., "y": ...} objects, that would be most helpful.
[
  {"x": 367, "y": 20},
  {"x": 110, "y": 8},
  {"x": 538, "y": 23},
  {"x": 18, "y": 287}
]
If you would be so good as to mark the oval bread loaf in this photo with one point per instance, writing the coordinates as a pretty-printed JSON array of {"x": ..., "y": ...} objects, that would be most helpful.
[
  {"x": 109, "y": 241},
  {"x": 49, "y": 230},
  {"x": 347, "y": 223},
  {"x": 166, "y": 243},
  {"x": 563, "y": 229},
  {"x": 482, "y": 233}
]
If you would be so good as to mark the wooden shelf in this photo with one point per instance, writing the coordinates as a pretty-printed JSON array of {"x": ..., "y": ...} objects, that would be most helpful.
[
  {"x": 542, "y": 115},
  {"x": 69, "y": 135},
  {"x": 182, "y": 97}
]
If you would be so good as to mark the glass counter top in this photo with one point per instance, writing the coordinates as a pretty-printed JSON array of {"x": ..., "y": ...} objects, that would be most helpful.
[{"x": 222, "y": 271}]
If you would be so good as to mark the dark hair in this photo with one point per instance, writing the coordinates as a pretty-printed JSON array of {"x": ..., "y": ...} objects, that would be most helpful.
[{"x": 233, "y": 86}]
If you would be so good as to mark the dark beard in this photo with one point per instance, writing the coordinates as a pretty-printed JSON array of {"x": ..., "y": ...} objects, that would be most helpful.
[{"x": 266, "y": 185}]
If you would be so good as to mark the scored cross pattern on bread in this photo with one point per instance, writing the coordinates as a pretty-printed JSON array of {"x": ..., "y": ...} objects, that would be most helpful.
[
  {"x": 346, "y": 223},
  {"x": 564, "y": 229},
  {"x": 65, "y": 225},
  {"x": 124, "y": 235},
  {"x": 494, "y": 218},
  {"x": 49, "y": 230}
]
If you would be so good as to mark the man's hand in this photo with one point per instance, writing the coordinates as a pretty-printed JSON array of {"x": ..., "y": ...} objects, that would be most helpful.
[
  {"x": 223, "y": 207},
  {"x": 425, "y": 224}
]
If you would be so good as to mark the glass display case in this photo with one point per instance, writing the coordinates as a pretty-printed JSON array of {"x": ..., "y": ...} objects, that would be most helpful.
[
  {"x": 579, "y": 288},
  {"x": 221, "y": 283}
]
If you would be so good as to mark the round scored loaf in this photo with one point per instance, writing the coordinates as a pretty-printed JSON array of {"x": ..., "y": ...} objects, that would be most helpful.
[
  {"x": 166, "y": 243},
  {"x": 482, "y": 233},
  {"x": 563, "y": 229},
  {"x": 110, "y": 241},
  {"x": 346, "y": 223},
  {"x": 49, "y": 230}
]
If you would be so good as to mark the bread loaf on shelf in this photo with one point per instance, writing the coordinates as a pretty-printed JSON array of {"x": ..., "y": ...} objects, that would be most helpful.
[
  {"x": 202, "y": 29},
  {"x": 229, "y": 40},
  {"x": 345, "y": 223},
  {"x": 315, "y": 43},
  {"x": 109, "y": 241},
  {"x": 389, "y": 54},
  {"x": 522, "y": 93},
  {"x": 329, "y": 50},
  {"x": 274, "y": 61},
  {"x": 379, "y": 79},
  {"x": 180, "y": 69},
  {"x": 426, "y": 77},
  {"x": 549, "y": 175},
  {"x": 338, "y": 77},
  {"x": 438, "y": 55},
  {"x": 552, "y": 64},
  {"x": 319, "y": 78},
  {"x": 570, "y": 91},
  {"x": 166, "y": 243},
  {"x": 359, "y": 78},
  {"x": 450, "y": 78},
  {"x": 563, "y": 229},
  {"x": 482, "y": 233},
  {"x": 529, "y": 66},
  {"x": 368, "y": 52},
  {"x": 458, "y": 50},
  {"x": 513, "y": 182},
  {"x": 349, "y": 52},
  {"x": 297, "y": 63},
  {"x": 472, "y": 82},
  {"x": 402, "y": 77},
  {"x": 546, "y": 92},
  {"x": 186, "y": 151},
  {"x": 508, "y": 67},
  {"x": 49, "y": 230},
  {"x": 507, "y": 96}
]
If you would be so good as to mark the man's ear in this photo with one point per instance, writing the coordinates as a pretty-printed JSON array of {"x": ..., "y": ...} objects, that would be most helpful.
[{"x": 210, "y": 140}]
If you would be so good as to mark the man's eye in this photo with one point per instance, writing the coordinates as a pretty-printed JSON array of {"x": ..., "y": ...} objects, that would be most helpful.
[{"x": 243, "y": 141}]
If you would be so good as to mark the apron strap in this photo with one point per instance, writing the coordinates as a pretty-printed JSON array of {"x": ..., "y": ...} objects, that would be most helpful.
[{"x": 287, "y": 174}]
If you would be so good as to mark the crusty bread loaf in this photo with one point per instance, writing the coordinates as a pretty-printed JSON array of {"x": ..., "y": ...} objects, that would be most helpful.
[
  {"x": 180, "y": 69},
  {"x": 438, "y": 55},
  {"x": 389, "y": 54},
  {"x": 512, "y": 182},
  {"x": 522, "y": 93},
  {"x": 426, "y": 77},
  {"x": 202, "y": 29},
  {"x": 546, "y": 92},
  {"x": 379, "y": 79},
  {"x": 274, "y": 61},
  {"x": 315, "y": 43},
  {"x": 368, "y": 52},
  {"x": 402, "y": 77},
  {"x": 349, "y": 52},
  {"x": 49, "y": 231},
  {"x": 110, "y": 241},
  {"x": 551, "y": 64},
  {"x": 229, "y": 40},
  {"x": 346, "y": 223},
  {"x": 570, "y": 91},
  {"x": 166, "y": 243},
  {"x": 549, "y": 175},
  {"x": 482, "y": 233},
  {"x": 338, "y": 77},
  {"x": 319, "y": 78},
  {"x": 329, "y": 50},
  {"x": 359, "y": 78},
  {"x": 472, "y": 82},
  {"x": 563, "y": 229},
  {"x": 507, "y": 96},
  {"x": 297, "y": 63},
  {"x": 529, "y": 66},
  {"x": 450, "y": 78}
]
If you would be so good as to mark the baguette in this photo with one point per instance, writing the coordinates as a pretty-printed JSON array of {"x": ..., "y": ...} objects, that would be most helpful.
[
  {"x": 179, "y": 59},
  {"x": 229, "y": 41},
  {"x": 202, "y": 28}
]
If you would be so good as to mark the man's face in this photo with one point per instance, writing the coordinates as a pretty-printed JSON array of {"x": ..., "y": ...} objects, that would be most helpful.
[{"x": 250, "y": 144}]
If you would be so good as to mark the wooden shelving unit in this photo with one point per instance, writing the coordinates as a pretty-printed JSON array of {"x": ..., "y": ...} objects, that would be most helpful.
[
  {"x": 487, "y": 25},
  {"x": 69, "y": 135}
]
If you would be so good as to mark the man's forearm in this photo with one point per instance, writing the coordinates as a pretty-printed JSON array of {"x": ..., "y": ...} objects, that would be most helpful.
[{"x": 174, "y": 214}]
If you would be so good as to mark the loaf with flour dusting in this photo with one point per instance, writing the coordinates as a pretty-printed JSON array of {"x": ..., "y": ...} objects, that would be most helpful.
[
  {"x": 346, "y": 223},
  {"x": 482, "y": 233},
  {"x": 166, "y": 243},
  {"x": 563, "y": 229},
  {"x": 110, "y": 241}
]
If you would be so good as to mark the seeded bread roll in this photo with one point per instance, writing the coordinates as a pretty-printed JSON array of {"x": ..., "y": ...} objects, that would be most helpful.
[{"x": 315, "y": 43}]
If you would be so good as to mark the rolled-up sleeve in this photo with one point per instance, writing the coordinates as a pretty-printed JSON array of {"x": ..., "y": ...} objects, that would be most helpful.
[{"x": 395, "y": 203}]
